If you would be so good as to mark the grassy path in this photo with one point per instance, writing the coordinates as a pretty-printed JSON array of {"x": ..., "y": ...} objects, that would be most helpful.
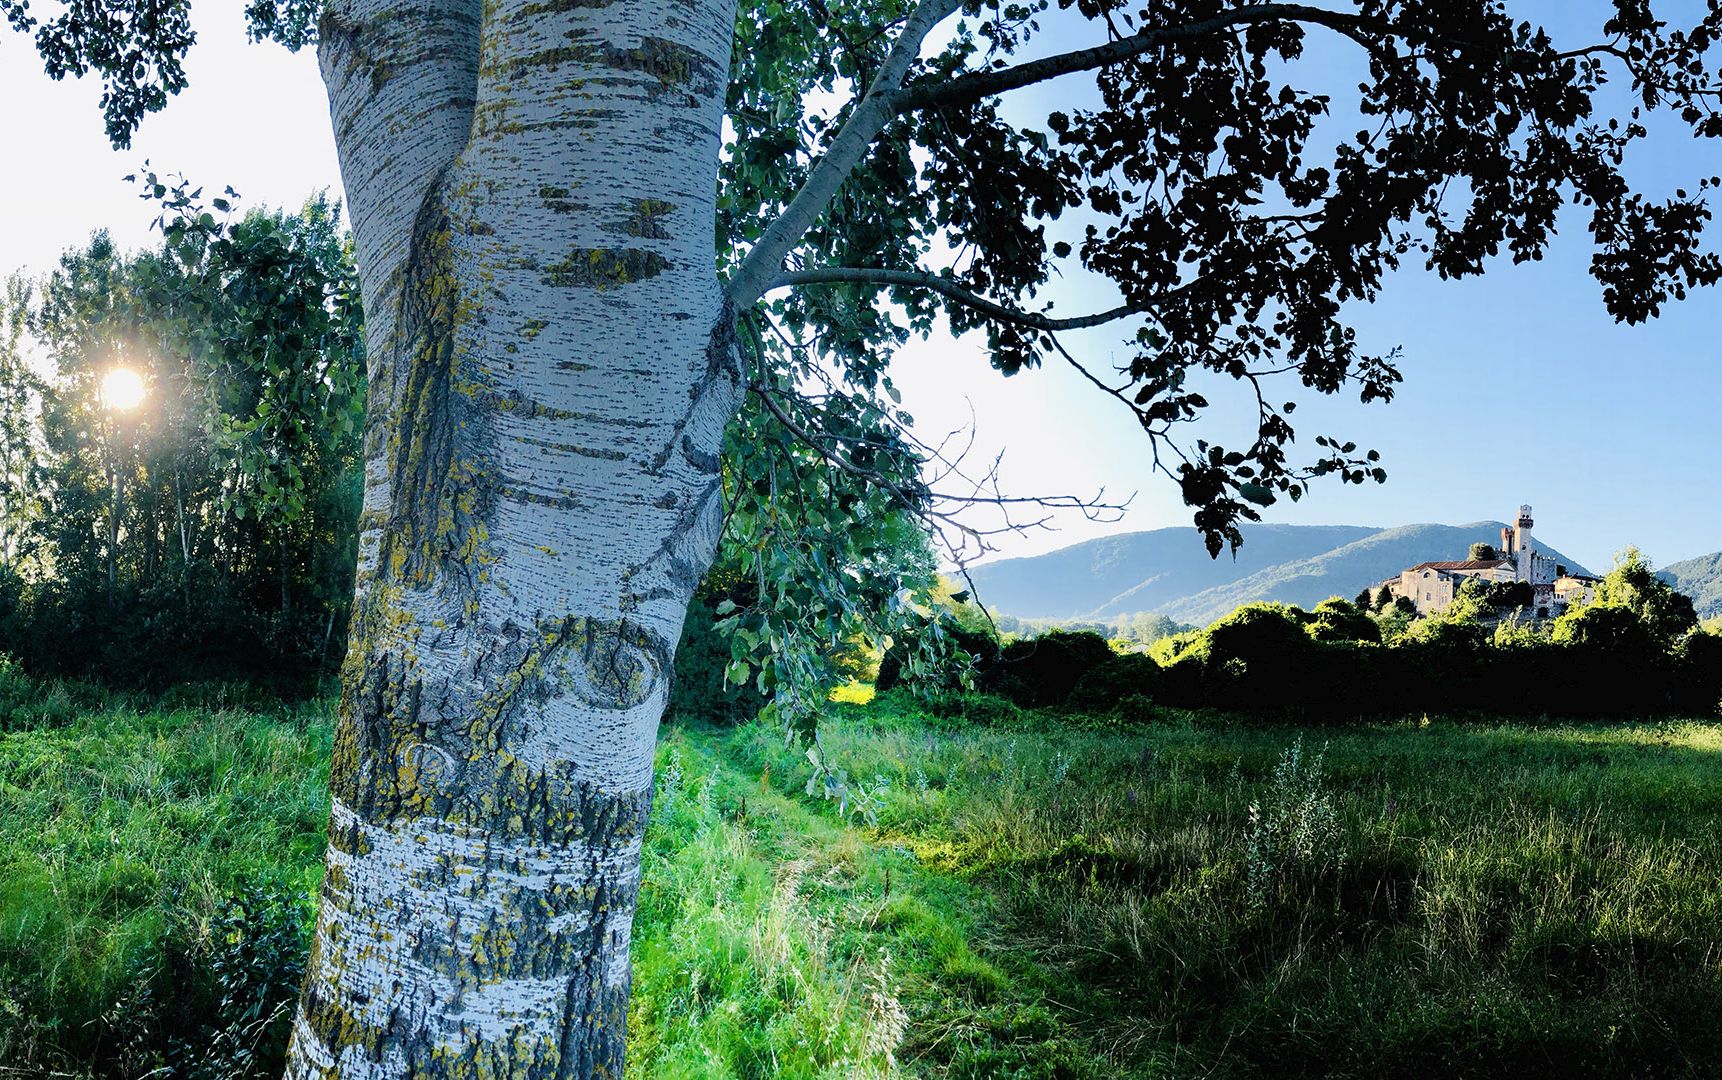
[
  {"x": 777, "y": 940},
  {"x": 1457, "y": 899}
]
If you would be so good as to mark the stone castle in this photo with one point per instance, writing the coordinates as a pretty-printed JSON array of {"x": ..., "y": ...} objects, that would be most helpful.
[{"x": 1431, "y": 586}]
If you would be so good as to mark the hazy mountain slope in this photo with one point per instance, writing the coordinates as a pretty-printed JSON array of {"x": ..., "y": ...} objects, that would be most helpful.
[
  {"x": 1155, "y": 568},
  {"x": 1699, "y": 578},
  {"x": 1344, "y": 571}
]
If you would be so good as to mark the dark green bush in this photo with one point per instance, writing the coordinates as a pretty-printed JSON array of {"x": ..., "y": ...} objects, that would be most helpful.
[
  {"x": 27, "y": 704},
  {"x": 699, "y": 691},
  {"x": 980, "y": 646},
  {"x": 219, "y": 1003},
  {"x": 1042, "y": 671},
  {"x": 1341, "y": 620},
  {"x": 1698, "y": 680},
  {"x": 1254, "y": 657},
  {"x": 1132, "y": 675},
  {"x": 975, "y": 709}
]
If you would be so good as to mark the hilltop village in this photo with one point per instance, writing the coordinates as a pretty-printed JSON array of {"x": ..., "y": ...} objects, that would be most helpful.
[{"x": 1431, "y": 586}]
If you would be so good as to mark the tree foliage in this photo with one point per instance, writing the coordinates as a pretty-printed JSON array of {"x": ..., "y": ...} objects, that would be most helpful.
[
  {"x": 209, "y": 531},
  {"x": 1205, "y": 194},
  {"x": 1666, "y": 613},
  {"x": 20, "y": 389}
]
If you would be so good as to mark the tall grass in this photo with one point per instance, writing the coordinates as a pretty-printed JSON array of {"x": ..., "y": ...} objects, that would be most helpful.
[
  {"x": 1526, "y": 900},
  {"x": 1044, "y": 898},
  {"x": 126, "y": 842},
  {"x": 737, "y": 965}
]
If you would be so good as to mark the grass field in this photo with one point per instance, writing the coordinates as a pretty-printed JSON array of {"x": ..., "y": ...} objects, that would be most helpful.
[{"x": 1042, "y": 897}]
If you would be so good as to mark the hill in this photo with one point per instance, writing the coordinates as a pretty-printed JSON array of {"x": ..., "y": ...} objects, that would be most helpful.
[
  {"x": 1701, "y": 579},
  {"x": 1154, "y": 569},
  {"x": 1167, "y": 571}
]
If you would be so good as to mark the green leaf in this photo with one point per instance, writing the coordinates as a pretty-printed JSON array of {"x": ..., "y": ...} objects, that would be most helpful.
[{"x": 1256, "y": 494}]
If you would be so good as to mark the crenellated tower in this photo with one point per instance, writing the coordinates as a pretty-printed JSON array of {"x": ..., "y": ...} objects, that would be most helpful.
[{"x": 1524, "y": 549}]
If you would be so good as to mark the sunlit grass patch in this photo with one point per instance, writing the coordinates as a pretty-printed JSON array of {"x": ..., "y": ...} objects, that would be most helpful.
[
  {"x": 736, "y": 969},
  {"x": 852, "y": 693}
]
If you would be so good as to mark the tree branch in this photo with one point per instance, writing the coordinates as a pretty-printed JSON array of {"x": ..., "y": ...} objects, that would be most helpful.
[
  {"x": 847, "y": 150},
  {"x": 950, "y": 289},
  {"x": 965, "y": 89}
]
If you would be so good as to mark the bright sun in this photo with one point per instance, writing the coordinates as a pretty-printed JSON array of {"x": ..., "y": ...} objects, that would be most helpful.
[{"x": 123, "y": 389}]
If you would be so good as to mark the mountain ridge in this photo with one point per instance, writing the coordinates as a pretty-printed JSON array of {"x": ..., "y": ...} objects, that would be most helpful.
[
  {"x": 1075, "y": 581},
  {"x": 1167, "y": 571},
  {"x": 1699, "y": 578}
]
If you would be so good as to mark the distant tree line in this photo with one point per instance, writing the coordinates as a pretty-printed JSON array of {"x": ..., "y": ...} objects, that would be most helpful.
[
  {"x": 1637, "y": 649},
  {"x": 206, "y": 530},
  {"x": 1137, "y": 628}
]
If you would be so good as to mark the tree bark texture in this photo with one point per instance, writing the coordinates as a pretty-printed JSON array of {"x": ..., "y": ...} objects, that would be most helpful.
[{"x": 532, "y": 187}]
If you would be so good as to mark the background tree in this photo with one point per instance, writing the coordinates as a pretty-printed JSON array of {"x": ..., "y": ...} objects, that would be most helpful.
[
  {"x": 206, "y": 533},
  {"x": 1510, "y": 594},
  {"x": 555, "y": 349},
  {"x": 19, "y": 392},
  {"x": 1481, "y": 552},
  {"x": 19, "y": 388},
  {"x": 1632, "y": 585}
]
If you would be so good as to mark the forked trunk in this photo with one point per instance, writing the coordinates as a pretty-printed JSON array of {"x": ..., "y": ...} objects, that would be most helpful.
[{"x": 532, "y": 187}]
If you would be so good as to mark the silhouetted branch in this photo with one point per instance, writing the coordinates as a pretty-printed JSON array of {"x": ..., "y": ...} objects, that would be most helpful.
[{"x": 952, "y": 290}]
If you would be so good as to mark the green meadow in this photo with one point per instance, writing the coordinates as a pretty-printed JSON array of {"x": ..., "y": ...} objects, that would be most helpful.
[{"x": 1030, "y": 895}]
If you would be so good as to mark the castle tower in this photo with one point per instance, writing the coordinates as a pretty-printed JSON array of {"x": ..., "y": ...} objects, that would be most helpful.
[{"x": 1523, "y": 549}]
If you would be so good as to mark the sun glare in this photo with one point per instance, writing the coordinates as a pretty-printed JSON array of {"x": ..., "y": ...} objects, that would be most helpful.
[{"x": 123, "y": 389}]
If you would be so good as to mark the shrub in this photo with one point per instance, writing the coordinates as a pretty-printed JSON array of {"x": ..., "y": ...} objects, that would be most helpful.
[
  {"x": 1698, "y": 682},
  {"x": 220, "y": 1005},
  {"x": 1042, "y": 671},
  {"x": 976, "y": 709},
  {"x": 14, "y": 688},
  {"x": 28, "y": 704},
  {"x": 1136, "y": 709},
  {"x": 1340, "y": 620},
  {"x": 981, "y": 647},
  {"x": 1610, "y": 627},
  {"x": 1294, "y": 836},
  {"x": 1103, "y": 689},
  {"x": 1252, "y": 658},
  {"x": 700, "y": 691}
]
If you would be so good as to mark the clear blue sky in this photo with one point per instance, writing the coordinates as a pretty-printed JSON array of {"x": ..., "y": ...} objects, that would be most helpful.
[{"x": 1519, "y": 387}]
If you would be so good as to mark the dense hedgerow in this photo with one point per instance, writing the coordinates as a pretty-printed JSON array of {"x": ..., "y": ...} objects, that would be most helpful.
[
  {"x": 1605, "y": 660},
  {"x": 1042, "y": 671}
]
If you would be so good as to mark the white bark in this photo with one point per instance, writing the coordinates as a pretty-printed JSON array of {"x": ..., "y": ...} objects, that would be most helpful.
[{"x": 533, "y": 188}]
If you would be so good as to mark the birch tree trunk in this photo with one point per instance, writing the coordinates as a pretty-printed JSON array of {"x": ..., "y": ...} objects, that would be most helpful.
[{"x": 532, "y": 186}]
